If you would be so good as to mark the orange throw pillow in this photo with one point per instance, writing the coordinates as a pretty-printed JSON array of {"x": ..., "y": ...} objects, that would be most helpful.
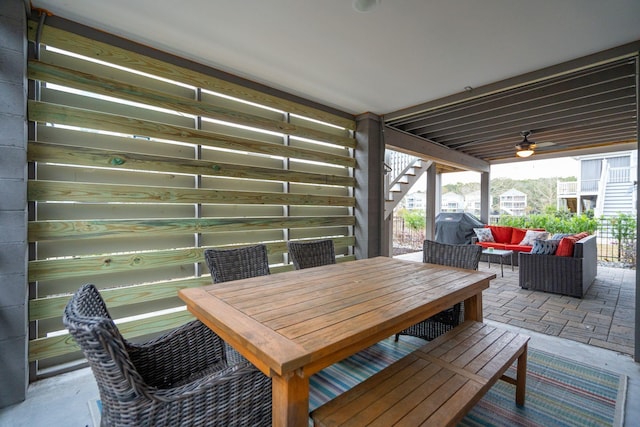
[{"x": 565, "y": 248}]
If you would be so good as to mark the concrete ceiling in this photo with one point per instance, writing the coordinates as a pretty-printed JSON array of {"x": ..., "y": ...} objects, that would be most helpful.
[{"x": 400, "y": 60}]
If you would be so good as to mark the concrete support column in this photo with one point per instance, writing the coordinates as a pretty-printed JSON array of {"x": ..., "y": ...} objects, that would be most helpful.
[
  {"x": 13, "y": 205},
  {"x": 369, "y": 190}
]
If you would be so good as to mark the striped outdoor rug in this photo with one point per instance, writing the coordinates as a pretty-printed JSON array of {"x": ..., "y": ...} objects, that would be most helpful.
[{"x": 560, "y": 392}]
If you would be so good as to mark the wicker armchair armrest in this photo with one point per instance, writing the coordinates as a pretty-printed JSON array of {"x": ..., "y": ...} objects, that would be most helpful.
[
  {"x": 170, "y": 358},
  {"x": 240, "y": 377}
]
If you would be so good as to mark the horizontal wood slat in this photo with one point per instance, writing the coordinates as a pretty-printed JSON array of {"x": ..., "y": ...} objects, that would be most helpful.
[
  {"x": 121, "y": 136},
  {"x": 42, "y": 348},
  {"x": 92, "y": 229},
  {"x": 43, "y": 308},
  {"x": 71, "y": 116},
  {"x": 100, "y": 158},
  {"x": 53, "y": 306},
  {"x": 50, "y": 73},
  {"x": 78, "y": 266},
  {"x": 125, "y": 58},
  {"x": 59, "y": 191}
]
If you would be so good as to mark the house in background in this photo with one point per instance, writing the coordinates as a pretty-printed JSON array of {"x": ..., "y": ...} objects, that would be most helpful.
[
  {"x": 606, "y": 184},
  {"x": 416, "y": 200},
  {"x": 513, "y": 202},
  {"x": 472, "y": 203},
  {"x": 452, "y": 202}
]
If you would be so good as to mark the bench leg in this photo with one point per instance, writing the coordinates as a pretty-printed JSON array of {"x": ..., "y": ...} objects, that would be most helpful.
[{"x": 521, "y": 377}]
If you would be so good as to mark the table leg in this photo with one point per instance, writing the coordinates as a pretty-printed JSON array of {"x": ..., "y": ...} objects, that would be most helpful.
[
  {"x": 521, "y": 377},
  {"x": 512, "y": 261},
  {"x": 290, "y": 395},
  {"x": 501, "y": 266},
  {"x": 473, "y": 308}
]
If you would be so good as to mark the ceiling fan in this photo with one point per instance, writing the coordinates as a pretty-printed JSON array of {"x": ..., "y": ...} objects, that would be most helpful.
[{"x": 526, "y": 148}]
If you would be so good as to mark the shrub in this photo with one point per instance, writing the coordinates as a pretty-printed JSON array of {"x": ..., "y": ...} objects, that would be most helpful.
[{"x": 555, "y": 222}]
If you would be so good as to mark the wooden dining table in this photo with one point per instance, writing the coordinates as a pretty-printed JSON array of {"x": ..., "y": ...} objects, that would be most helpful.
[{"x": 291, "y": 325}]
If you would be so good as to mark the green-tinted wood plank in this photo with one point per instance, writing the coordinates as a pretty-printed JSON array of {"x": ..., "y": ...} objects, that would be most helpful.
[
  {"x": 78, "y": 266},
  {"x": 91, "y": 229},
  {"x": 44, "y": 348},
  {"x": 59, "y": 191},
  {"x": 71, "y": 116},
  {"x": 50, "y": 307},
  {"x": 114, "y": 55},
  {"x": 95, "y": 157},
  {"x": 83, "y": 81}
]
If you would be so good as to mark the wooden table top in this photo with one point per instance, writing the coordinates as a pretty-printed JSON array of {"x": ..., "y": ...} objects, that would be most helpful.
[{"x": 309, "y": 319}]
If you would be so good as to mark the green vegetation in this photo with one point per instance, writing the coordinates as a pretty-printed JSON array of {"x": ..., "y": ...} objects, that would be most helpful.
[
  {"x": 553, "y": 222},
  {"x": 623, "y": 229},
  {"x": 414, "y": 219}
]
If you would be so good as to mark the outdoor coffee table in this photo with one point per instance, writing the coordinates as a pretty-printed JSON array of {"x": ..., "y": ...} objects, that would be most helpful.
[{"x": 501, "y": 254}]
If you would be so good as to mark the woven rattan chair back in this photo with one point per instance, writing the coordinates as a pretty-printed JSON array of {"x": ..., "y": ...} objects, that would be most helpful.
[
  {"x": 459, "y": 256},
  {"x": 186, "y": 377},
  {"x": 235, "y": 264},
  {"x": 311, "y": 254}
]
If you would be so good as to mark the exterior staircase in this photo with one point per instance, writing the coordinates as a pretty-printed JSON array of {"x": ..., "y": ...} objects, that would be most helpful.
[
  {"x": 401, "y": 172},
  {"x": 618, "y": 198}
]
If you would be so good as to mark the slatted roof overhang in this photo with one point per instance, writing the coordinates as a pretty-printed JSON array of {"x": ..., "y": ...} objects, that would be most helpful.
[{"x": 586, "y": 106}]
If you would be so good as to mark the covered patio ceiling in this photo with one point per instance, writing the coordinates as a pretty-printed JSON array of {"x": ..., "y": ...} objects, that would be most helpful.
[
  {"x": 583, "y": 106},
  {"x": 409, "y": 62}
]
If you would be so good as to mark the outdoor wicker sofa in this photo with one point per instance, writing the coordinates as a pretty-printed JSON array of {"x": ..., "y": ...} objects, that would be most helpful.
[{"x": 565, "y": 275}]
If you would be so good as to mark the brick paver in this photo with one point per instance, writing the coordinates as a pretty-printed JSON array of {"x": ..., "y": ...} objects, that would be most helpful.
[{"x": 603, "y": 318}]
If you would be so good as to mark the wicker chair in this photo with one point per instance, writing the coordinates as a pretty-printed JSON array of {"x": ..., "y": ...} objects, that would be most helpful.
[
  {"x": 460, "y": 256},
  {"x": 187, "y": 377},
  {"x": 311, "y": 254},
  {"x": 235, "y": 264}
]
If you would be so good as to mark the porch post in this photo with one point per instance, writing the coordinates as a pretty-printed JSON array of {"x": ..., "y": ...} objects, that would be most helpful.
[
  {"x": 485, "y": 197},
  {"x": 430, "y": 205},
  {"x": 636, "y": 355},
  {"x": 14, "y": 375},
  {"x": 369, "y": 189}
]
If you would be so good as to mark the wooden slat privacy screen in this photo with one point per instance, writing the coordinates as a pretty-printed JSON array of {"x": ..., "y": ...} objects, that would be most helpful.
[{"x": 138, "y": 165}]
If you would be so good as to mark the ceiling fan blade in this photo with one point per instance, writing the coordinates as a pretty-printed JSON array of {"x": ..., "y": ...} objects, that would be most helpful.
[
  {"x": 552, "y": 147},
  {"x": 544, "y": 144}
]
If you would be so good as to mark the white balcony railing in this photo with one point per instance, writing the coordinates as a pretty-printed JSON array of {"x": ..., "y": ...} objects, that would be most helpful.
[
  {"x": 619, "y": 174},
  {"x": 567, "y": 188}
]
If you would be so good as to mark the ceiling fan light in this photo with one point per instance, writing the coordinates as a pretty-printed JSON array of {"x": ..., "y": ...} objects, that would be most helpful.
[{"x": 524, "y": 153}]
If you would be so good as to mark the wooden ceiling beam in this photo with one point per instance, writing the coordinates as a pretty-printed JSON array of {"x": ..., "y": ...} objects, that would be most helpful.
[{"x": 419, "y": 147}]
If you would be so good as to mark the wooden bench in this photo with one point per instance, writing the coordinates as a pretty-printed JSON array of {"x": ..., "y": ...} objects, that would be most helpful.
[{"x": 435, "y": 385}]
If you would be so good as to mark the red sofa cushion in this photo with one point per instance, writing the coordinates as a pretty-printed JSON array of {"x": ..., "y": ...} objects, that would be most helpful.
[
  {"x": 517, "y": 235},
  {"x": 501, "y": 234},
  {"x": 518, "y": 248},
  {"x": 492, "y": 245}
]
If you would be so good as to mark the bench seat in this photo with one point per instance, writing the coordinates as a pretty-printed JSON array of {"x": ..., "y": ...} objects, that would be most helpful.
[{"x": 437, "y": 384}]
